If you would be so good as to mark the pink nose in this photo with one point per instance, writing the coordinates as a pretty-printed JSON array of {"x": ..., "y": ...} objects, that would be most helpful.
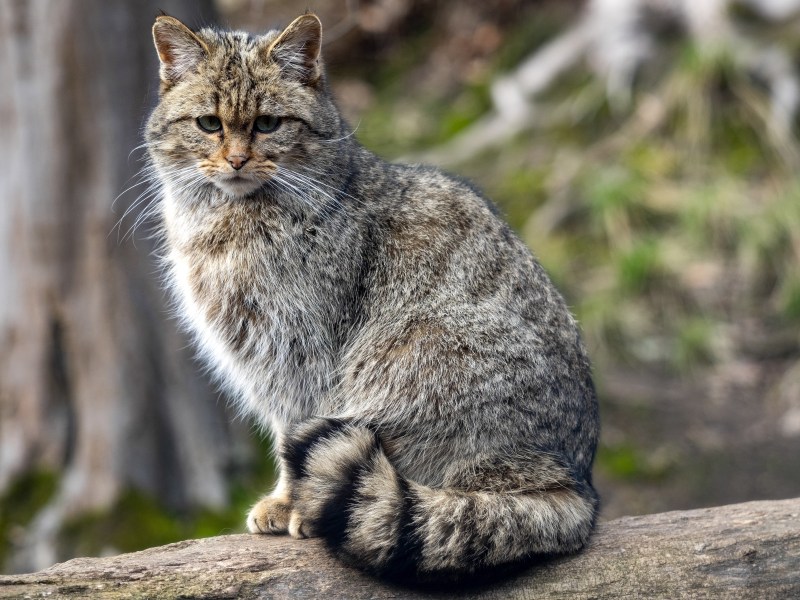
[{"x": 237, "y": 160}]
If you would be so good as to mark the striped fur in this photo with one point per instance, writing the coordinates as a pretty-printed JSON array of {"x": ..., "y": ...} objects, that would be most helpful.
[
  {"x": 425, "y": 383},
  {"x": 349, "y": 493}
]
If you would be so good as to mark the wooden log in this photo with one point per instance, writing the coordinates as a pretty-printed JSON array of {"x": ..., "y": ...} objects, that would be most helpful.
[{"x": 740, "y": 551}]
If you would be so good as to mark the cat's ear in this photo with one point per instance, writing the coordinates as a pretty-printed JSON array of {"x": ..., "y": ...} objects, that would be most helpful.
[
  {"x": 297, "y": 49},
  {"x": 179, "y": 49}
]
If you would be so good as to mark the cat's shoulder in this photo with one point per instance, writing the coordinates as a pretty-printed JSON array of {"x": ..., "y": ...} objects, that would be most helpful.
[{"x": 438, "y": 187}]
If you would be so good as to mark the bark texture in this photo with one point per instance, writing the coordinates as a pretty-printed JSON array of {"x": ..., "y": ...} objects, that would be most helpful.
[
  {"x": 95, "y": 383},
  {"x": 749, "y": 550}
]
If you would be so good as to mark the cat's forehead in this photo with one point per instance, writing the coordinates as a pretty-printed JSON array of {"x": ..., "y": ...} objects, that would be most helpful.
[
  {"x": 240, "y": 73},
  {"x": 235, "y": 51}
]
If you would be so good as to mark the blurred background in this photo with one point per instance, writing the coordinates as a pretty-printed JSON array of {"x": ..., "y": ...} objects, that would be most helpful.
[{"x": 645, "y": 150}]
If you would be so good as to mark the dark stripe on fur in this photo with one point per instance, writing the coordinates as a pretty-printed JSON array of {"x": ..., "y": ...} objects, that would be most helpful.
[
  {"x": 298, "y": 445},
  {"x": 476, "y": 547},
  {"x": 405, "y": 558},
  {"x": 338, "y": 511}
]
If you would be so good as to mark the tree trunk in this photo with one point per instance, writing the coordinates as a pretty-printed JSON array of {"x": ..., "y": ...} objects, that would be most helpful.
[
  {"x": 94, "y": 380},
  {"x": 740, "y": 551}
]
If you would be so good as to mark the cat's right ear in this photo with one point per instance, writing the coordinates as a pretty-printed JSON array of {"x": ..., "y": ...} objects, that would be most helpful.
[{"x": 179, "y": 49}]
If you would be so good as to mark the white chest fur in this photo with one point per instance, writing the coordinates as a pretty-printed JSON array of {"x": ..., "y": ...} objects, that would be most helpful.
[{"x": 261, "y": 332}]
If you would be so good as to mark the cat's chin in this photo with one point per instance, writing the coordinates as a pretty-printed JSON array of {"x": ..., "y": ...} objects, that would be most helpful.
[{"x": 237, "y": 187}]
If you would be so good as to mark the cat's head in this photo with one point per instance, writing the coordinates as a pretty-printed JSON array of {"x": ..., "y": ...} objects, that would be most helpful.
[{"x": 235, "y": 109}]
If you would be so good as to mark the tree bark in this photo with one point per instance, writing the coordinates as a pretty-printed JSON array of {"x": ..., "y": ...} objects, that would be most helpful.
[
  {"x": 749, "y": 550},
  {"x": 93, "y": 383}
]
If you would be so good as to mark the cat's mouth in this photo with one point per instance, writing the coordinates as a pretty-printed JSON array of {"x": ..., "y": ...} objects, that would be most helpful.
[{"x": 237, "y": 185}]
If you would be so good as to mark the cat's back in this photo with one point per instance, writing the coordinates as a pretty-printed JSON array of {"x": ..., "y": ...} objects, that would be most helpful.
[{"x": 448, "y": 246}]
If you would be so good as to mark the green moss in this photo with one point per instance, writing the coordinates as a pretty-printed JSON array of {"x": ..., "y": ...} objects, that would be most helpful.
[
  {"x": 624, "y": 462},
  {"x": 138, "y": 521},
  {"x": 23, "y": 499},
  {"x": 135, "y": 521},
  {"x": 207, "y": 523}
]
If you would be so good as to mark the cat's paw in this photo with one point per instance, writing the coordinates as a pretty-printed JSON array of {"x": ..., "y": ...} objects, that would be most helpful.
[
  {"x": 297, "y": 528},
  {"x": 270, "y": 515}
]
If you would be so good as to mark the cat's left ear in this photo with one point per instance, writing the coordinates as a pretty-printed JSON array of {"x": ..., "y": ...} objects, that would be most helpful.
[
  {"x": 297, "y": 49},
  {"x": 179, "y": 49}
]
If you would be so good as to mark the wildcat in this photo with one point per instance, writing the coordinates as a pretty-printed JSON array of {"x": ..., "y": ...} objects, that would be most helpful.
[{"x": 427, "y": 389}]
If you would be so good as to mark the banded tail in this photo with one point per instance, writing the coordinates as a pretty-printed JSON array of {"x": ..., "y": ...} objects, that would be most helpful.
[{"x": 348, "y": 492}]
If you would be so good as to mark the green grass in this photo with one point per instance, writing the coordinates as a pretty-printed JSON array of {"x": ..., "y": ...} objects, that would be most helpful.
[
  {"x": 639, "y": 267},
  {"x": 790, "y": 299},
  {"x": 694, "y": 343},
  {"x": 519, "y": 193}
]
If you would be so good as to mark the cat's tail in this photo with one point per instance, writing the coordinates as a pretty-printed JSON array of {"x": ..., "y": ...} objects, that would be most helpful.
[{"x": 346, "y": 491}]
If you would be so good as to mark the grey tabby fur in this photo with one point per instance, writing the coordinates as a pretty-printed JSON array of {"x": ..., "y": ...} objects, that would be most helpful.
[{"x": 426, "y": 385}]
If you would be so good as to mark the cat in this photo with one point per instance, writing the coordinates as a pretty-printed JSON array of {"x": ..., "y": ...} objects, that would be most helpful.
[{"x": 426, "y": 386}]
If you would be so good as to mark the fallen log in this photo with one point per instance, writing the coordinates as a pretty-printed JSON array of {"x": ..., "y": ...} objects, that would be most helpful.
[{"x": 749, "y": 550}]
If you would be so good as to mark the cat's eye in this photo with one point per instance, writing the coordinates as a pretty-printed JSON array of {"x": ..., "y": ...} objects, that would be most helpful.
[
  {"x": 209, "y": 123},
  {"x": 267, "y": 123}
]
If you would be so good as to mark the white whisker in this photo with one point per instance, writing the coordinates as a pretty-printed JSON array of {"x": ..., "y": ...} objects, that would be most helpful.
[
  {"x": 344, "y": 137},
  {"x": 155, "y": 180}
]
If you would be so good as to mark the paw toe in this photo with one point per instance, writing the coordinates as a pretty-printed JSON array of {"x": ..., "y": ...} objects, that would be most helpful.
[{"x": 298, "y": 528}]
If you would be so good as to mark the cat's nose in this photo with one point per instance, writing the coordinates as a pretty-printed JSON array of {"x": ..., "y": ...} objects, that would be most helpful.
[{"x": 237, "y": 160}]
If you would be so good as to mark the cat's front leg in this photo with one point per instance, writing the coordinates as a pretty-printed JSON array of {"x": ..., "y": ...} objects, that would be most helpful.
[
  {"x": 273, "y": 512},
  {"x": 304, "y": 475}
]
